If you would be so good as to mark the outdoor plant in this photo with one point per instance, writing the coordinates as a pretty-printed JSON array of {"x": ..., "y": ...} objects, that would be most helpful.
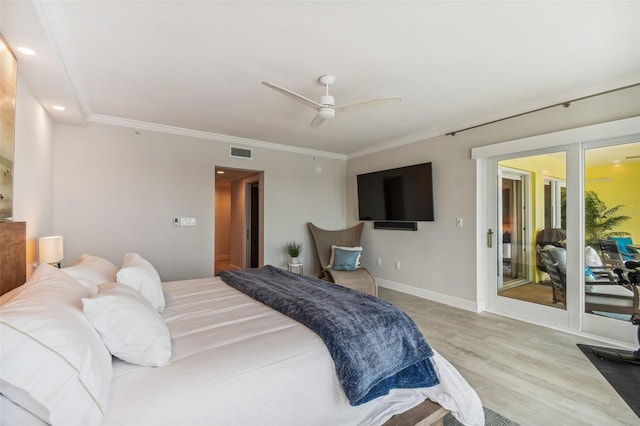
[
  {"x": 294, "y": 248},
  {"x": 599, "y": 221}
]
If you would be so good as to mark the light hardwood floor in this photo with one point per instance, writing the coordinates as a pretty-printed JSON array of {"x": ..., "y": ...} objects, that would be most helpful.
[
  {"x": 534, "y": 293},
  {"x": 530, "y": 374}
]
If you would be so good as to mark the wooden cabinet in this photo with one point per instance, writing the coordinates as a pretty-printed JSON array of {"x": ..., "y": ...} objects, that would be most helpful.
[{"x": 13, "y": 255}]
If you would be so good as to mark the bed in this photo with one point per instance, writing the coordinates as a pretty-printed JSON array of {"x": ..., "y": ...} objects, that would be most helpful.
[{"x": 232, "y": 361}]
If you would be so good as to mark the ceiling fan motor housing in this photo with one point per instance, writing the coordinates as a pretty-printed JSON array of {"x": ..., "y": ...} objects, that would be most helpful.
[{"x": 326, "y": 113}]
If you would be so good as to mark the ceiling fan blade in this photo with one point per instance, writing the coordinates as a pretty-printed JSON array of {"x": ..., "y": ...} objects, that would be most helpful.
[
  {"x": 317, "y": 121},
  {"x": 369, "y": 103},
  {"x": 293, "y": 95}
]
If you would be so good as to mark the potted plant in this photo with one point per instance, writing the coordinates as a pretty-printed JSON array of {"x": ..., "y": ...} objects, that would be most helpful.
[
  {"x": 599, "y": 221},
  {"x": 294, "y": 249}
]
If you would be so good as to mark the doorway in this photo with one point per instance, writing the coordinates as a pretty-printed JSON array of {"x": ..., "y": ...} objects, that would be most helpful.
[
  {"x": 513, "y": 227},
  {"x": 238, "y": 219}
]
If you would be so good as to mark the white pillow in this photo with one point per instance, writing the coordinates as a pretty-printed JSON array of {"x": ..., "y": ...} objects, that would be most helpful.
[
  {"x": 140, "y": 275},
  {"x": 130, "y": 327},
  {"x": 333, "y": 254},
  {"x": 91, "y": 271},
  {"x": 591, "y": 258},
  {"x": 54, "y": 363}
]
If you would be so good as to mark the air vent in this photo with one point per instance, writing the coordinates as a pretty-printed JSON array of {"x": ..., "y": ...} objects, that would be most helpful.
[{"x": 236, "y": 152}]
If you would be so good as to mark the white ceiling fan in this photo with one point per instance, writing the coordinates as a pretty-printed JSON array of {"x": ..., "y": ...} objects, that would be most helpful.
[{"x": 327, "y": 107}]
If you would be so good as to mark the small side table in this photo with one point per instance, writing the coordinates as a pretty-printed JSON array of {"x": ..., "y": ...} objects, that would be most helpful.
[{"x": 297, "y": 266}]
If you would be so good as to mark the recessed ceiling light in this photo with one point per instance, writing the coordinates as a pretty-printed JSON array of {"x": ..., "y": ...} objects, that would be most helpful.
[
  {"x": 26, "y": 51},
  {"x": 220, "y": 172},
  {"x": 58, "y": 107},
  {"x": 616, "y": 161}
]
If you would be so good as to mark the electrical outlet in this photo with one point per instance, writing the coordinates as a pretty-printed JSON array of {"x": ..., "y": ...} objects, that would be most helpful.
[{"x": 379, "y": 261}]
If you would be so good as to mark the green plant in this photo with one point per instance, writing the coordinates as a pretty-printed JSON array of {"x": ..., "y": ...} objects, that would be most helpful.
[
  {"x": 294, "y": 248},
  {"x": 599, "y": 221}
]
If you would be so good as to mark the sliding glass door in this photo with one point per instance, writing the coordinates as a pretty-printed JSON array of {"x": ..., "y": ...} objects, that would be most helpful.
[{"x": 558, "y": 221}]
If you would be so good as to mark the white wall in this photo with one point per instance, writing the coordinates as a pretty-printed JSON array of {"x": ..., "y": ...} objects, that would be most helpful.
[
  {"x": 439, "y": 260},
  {"x": 33, "y": 184},
  {"x": 116, "y": 191}
]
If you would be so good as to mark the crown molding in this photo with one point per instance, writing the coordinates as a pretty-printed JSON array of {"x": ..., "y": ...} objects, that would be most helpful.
[{"x": 181, "y": 131}]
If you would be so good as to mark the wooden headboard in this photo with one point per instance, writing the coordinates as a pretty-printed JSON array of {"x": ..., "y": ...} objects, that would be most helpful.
[{"x": 13, "y": 255}]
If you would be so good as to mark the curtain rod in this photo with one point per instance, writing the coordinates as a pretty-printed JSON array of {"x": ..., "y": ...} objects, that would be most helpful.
[{"x": 565, "y": 104}]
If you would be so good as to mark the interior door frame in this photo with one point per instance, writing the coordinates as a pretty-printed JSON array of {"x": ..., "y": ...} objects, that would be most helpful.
[{"x": 573, "y": 141}]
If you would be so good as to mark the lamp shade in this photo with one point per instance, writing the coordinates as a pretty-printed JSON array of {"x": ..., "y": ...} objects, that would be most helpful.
[{"x": 50, "y": 249}]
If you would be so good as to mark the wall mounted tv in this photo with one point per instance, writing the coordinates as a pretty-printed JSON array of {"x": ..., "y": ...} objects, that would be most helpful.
[{"x": 402, "y": 194}]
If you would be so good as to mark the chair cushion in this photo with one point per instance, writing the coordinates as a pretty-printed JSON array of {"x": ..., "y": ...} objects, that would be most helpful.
[
  {"x": 591, "y": 258},
  {"x": 346, "y": 259},
  {"x": 343, "y": 248},
  {"x": 560, "y": 255},
  {"x": 623, "y": 244}
]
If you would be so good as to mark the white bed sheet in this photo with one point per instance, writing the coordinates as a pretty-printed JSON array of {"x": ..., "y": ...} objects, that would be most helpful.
[{"x": 238, "y": 362}]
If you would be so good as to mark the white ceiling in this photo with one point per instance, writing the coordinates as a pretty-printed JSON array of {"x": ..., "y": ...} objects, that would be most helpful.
[{"x": 196, "y": 67}]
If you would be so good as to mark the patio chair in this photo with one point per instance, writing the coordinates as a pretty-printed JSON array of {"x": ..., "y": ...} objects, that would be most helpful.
[
  {"x": 627, "y": 248},
  {"x": 358, "y": 279},
  {"x": 556, "y": 274},
  {"x": 544, "y": 237},
  {"x": 613, "y": 256},
  {"x": 602, "y": 293}
]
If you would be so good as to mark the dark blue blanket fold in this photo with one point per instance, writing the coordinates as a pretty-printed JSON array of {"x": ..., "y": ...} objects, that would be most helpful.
[{"x": 375, "y": 346}]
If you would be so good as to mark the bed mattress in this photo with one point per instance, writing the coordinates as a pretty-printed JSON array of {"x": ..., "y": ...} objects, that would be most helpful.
[{"x": 238, "y": 362}]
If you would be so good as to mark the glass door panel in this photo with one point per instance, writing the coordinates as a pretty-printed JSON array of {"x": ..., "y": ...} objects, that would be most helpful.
[
  {"x": 531, "y": 210},
  {"x": 611, "y": 230}
]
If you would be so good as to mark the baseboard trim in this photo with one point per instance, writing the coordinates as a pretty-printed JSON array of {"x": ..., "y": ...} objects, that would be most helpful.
[{"x": 456, "y": 302}]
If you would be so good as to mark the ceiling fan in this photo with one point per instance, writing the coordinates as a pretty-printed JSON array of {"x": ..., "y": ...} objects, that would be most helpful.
[{"x": 327, "y": 107}]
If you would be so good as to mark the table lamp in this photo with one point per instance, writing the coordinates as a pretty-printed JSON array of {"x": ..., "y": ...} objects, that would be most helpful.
[{"x": 50, "y": 250}]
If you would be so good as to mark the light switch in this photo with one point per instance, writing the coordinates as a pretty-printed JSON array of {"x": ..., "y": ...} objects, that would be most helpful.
[
  {"x": 187, "y": 221},
  {"x": 459, "y": 222}
]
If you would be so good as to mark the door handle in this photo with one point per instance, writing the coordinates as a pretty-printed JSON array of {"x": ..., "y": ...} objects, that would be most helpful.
[{"x": 490, "y": 238}]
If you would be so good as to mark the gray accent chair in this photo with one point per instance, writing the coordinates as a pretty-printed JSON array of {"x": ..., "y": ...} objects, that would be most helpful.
[{"x": 359, "y": 279}]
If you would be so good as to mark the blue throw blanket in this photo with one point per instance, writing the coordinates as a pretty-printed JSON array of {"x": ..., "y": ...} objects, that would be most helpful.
[{"x": 376, "y": 347}]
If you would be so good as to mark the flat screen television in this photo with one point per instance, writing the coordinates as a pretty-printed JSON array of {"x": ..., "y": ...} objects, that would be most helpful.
[{"x": 401, "y": 194}]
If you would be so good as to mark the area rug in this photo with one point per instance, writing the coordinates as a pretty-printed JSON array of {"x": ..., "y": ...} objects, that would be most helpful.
[
  {"x": 624, "y": 377},
  {"x": 491, "y": 418}
]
